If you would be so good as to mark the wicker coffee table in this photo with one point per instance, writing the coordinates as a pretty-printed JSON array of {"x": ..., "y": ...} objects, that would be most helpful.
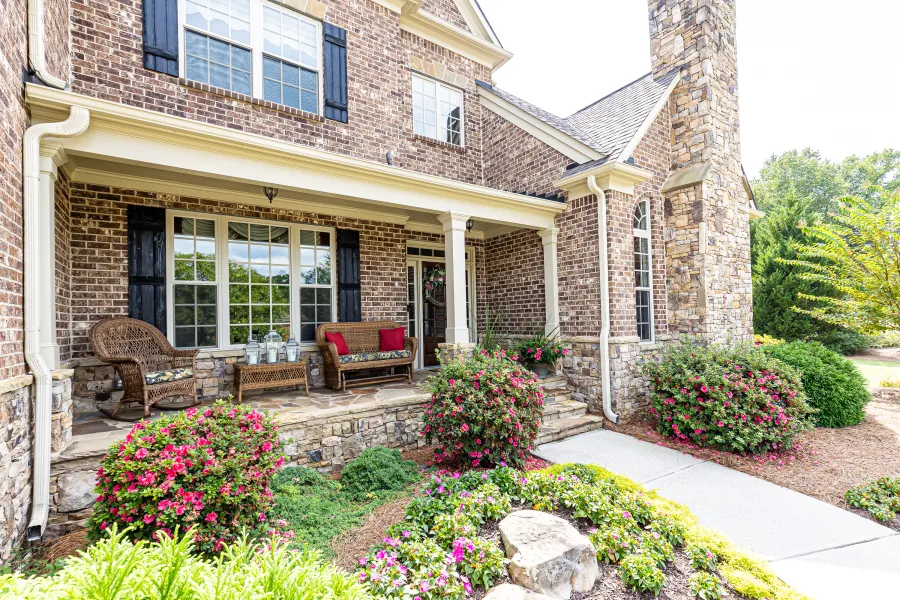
[{"x": 267, "y": 376}]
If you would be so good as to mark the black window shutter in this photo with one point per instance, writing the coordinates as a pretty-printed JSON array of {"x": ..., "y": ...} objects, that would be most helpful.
[
  {"x": 161, "y": 36},
  {"x": 335, "y": 73},
  {"x": 147, "y": 265},
  {"x": 349, "y": 293}
]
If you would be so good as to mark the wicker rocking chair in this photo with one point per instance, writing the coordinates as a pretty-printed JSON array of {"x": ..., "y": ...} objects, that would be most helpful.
[{"x": 151, "y": 369}]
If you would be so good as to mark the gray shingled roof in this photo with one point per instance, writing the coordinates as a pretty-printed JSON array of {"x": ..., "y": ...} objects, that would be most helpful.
[
  {"x": 541, "y": 114},
  {"x": 613, "y": 120},
  {"x": 608, "y": 124}
]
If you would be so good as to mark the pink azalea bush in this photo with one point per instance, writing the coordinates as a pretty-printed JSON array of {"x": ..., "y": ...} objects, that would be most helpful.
[
  {"x": 735, "y": 398},
  {"x": 486, "y": 410},
  {"x": 204, "y": 469}
]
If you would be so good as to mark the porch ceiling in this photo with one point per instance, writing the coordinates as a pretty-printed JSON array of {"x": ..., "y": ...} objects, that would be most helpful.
[{"x": 163, "y": 153}]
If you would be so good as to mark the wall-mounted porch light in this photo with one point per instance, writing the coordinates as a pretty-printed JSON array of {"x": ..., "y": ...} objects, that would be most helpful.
[
  {"x": 270, "y": 193},
  {"x": 470, "y": 224}
]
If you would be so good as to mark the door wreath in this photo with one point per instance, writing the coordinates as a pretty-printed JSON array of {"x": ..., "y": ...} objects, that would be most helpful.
[{"x": 433, "y": 281}]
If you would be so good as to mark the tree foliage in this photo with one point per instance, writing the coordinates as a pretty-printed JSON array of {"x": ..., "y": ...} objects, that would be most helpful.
[{"x": 856, "y": 253}]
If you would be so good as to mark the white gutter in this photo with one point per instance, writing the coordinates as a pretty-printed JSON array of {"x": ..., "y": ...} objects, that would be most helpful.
[
  {"x": 604, "y": 298},
  {"x": 36, "y": 51},
  {"x": 77, "y": 123}
]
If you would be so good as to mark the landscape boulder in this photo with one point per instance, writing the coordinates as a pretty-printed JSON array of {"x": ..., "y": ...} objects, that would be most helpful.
[
  {"x": 547, "y": 554},
  {"x": 509, "y": 591}
]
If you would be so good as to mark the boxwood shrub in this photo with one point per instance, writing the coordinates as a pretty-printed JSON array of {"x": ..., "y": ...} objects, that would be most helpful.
[
  {"x": 733, "y": 397},
  {"x": 833, "y": 384},
  {"x": 378, "y": 469}
]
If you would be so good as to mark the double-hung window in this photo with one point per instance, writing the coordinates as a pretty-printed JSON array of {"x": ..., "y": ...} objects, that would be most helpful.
[
  {"x": 256, "y": 48},
  {"x": 437, "y": 111},
  {"x": 233, "y": 279},
  {"x": 643, "y": 279}
]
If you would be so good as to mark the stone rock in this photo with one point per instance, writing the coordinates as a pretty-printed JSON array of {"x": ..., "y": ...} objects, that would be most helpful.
[
  {"x": 547, "y": 554},
  {"x": 509, "y": 591},
  {"x": 76, "y": 491}
]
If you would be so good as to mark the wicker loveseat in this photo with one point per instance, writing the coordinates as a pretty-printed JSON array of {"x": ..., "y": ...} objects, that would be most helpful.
[
  {"x": 151, "y": 369},
  {"x": 363, "y": 341}
]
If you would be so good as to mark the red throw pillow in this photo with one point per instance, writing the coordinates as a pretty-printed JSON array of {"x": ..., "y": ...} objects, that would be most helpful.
[
  {"x": 392, "y": 339},
  {"x": 338, "y": 340}
]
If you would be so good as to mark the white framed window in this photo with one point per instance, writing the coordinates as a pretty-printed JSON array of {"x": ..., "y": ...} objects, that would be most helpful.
[
  {"x": 253, "y": 47},
  {"x": 643, "y": 271},
  {"x": 438, "y": 111},
  {"x": 230, "y": 279}
]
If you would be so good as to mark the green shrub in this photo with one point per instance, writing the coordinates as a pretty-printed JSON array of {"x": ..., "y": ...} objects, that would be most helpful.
[
  {"x": 736, "y": 398},
  {"x": 378, "y": 469},
  {"x": 486, "y": 409},
  {"x": 888, "y": 339},
  {"x": 207, "y": 469},
  {"x": 881, "y": 498},
  {"x": 761, "y": 339},
  {"x": 705, "y": 586},
  {"x": 114, "y": 568},
  {"x": 701, "y": 557},
  {"x": 833, "y": 384},
  {"x": 844, "y": 341},
  {"x": 639, "y": 573}
]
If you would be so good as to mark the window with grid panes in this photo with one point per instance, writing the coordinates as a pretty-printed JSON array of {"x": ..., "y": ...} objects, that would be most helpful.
[
  {"x": 437, "y": 111},
  {"x": 316, "y": 288},
  {"x": 643, "y": 280},
  {"x": 195, "y": 288}
]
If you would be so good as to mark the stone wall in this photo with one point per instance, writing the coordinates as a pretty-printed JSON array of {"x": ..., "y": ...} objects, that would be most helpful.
[
  {"x": 107, "y": 64},
  {"x": 324, "y": 440},
  {"x": 15, "y": 461}
]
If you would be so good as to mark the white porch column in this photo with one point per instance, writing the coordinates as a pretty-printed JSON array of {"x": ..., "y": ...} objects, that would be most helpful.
[
  {"x": 51, "y": 157},
  {"x": 551, "y": 280},
  {"x": 455, "y": 250}
]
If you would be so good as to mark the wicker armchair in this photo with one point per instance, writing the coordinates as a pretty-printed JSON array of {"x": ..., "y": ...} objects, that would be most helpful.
[
  {"x": 151, "y": 369},
  {"x": 364, "y": 344}
]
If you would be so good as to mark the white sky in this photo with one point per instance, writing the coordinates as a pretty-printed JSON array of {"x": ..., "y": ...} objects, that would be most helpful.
[{"x": 818, "y": 73}]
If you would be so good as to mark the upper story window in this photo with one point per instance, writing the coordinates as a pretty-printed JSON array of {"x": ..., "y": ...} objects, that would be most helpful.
[
  {"x": 437, "y": 111},
  {"x": 643, "y": 279},
  {"x": 254, "y": 48}
]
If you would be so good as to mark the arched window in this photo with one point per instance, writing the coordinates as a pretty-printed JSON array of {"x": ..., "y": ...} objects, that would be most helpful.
[{"x": 643, "y": 279}]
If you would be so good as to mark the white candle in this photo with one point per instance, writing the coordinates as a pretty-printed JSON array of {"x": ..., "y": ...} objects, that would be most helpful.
[
  {"x": 292, "y": 354},
  {"x": 272, "y": 354},
  {"x": 252, "y": 359}
]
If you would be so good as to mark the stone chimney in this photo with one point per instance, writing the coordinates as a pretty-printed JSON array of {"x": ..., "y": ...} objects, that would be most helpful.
[{"x": 707, "y": 203}]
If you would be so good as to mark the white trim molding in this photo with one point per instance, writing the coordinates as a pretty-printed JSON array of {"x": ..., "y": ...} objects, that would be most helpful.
[
  {"x": 477, "y": 22},
  {"x": 453, "y": 38},
  {"x": 648, "y": 122},
  {"x": 140, "y": 137},
  {"x": 553, "y": 137},
  {"x": 615, "y": 176},
  {"x": 549, "y": 238}
]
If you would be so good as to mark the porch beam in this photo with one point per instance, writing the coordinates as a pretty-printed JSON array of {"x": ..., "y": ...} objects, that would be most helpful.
[
  {"x": 549, "y": 237},
  {"x": 455, "y": 255}
]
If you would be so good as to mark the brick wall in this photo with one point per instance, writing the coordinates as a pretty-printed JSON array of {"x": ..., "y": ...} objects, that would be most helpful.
[
  {"x": 516, "y": 161},
  {"x": 515, "y": 280},
  {"x": 57, "y": 38},
  {"x": 579, "y": 268},
  {"x": 63, "y": 229},
  {"x": 107, "y": 64},
  {"x": 13, "y": 122},
  {"x": 446, "y": 10}
]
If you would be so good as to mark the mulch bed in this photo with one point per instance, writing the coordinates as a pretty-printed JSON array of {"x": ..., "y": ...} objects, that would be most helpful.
[{"x": 824, "y": 464}]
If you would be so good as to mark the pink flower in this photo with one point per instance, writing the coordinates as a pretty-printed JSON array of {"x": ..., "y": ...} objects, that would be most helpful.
[
  {"x": 211, "y": 517},
  {"x": 141, "y": 453},
  {"x": 149, "y": 519},
  {"x": 464, "y": 428}
]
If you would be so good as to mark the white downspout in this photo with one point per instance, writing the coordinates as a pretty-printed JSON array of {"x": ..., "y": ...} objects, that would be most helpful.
[
  {"x": 77, "y": 123},
  {"x": 604, "y": 299},
  {"x": 36, "y": 52}
]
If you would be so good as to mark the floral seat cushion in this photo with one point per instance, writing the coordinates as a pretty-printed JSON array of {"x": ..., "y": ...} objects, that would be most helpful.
[
  {"x": 168, "y": 376},
  {"x": 370, "y": 356}
]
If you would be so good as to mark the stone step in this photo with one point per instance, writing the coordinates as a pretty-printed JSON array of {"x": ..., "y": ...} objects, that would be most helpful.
[
  {"x": 561, "y": 429},
  {"x": 557, "y": 397},
  {"x": 554, "y": 383},
  {"x": 564, "y": 410}
]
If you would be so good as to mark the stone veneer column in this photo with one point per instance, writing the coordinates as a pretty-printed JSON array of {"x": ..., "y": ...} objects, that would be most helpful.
[
  {"x": 549, "y": 238},
  {"x": 706, "y": 202}
]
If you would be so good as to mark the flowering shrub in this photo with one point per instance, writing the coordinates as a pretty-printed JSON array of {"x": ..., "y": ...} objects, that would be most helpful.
[
  {"x": 613, "y": 544},
  {"x": 204, "y": 469},
  {"x": 705, "y": 586},
  {"x": 114, "y": 568},
  {"x": 409, "y": 567},
  {"x": 639, "y": 573},
  {"x": 486, "y": 409},
  {"x": 480, "y": 560},
  {"x": 833, "y": 384},
  {"x": 541, "y": 348},
  {"x": 702, "y": 558},
  {"x": 736, "y": 398}
]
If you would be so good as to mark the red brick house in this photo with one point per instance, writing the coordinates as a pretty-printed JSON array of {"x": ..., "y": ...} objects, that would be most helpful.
[{"x": 376, "y": 129}]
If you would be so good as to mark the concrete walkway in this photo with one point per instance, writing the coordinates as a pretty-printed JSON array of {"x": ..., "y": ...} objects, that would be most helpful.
[{"x": 821, "y": 550}]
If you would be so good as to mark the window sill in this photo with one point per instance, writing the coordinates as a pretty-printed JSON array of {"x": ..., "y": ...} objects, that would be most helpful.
[
  {"x": 251, "y": 100},
  {"x": 422, "y": 138}
]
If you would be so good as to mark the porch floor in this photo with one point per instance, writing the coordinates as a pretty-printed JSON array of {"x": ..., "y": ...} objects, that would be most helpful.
[{"x": 93, "y": 432}]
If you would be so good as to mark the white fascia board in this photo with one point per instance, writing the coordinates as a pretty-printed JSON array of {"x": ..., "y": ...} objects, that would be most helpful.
[
  {"x": 122, "y": 133},
  {"x": 613, "y": 175},
  {"x": 553, "y": 137},
  {"x": 476, "y": 21},
  {"x": 628, "y": 150},
  {"x": 453, "y": 38},
  {"x": 437, "y": 229},
  {"x": 392, "y": 5}
]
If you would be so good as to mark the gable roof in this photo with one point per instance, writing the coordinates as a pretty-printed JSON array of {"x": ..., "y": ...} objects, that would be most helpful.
[{"x": 612, "y": 126}]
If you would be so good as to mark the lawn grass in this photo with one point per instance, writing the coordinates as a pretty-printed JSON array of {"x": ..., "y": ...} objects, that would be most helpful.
[{"x": 317, "y": 509}]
